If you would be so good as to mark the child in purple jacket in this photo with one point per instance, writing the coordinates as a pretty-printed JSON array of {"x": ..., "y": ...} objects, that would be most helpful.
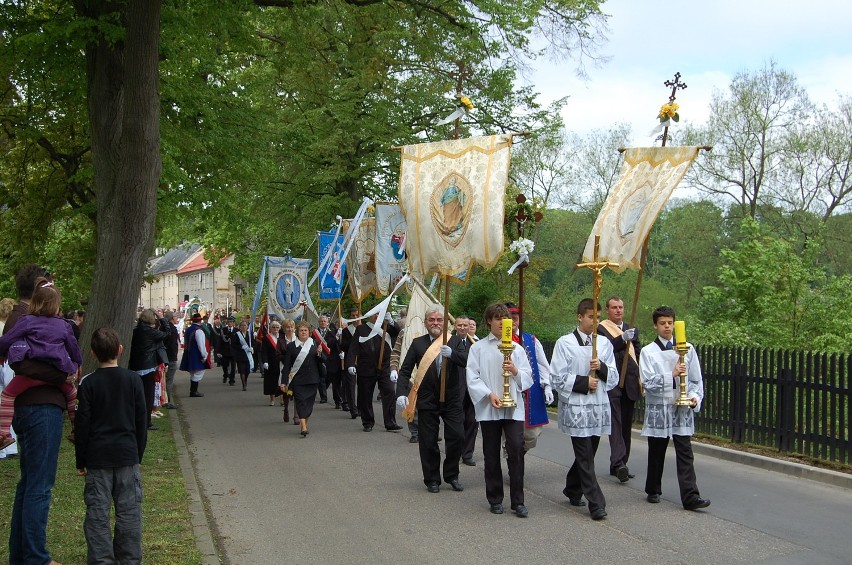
[{"x": 43, "y": 341}]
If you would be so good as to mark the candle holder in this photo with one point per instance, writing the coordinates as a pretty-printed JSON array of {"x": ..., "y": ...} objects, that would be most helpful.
[
  {"x": 507, "y": 401},
  {"x": 682, "y": 398}
]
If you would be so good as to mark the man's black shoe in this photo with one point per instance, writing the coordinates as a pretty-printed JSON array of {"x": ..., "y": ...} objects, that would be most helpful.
[
  {"x": 393, "y": 428},
  {"x": 469, "y": 462},
  {"x": 457, "y": 486},
  {"x": 520, "y": 510},
  {"x": 599, "y": 514},
  {"x": 368, "y": 428},
  {"x": 413, "y": 439},
  {"x": 623, "y": 474},
  {"x": 574, "y": 501},
  {"x": 698, "y": 503},
  {"x": 497, "y": 508},
  {"x": 653, "y": 498},
  {"x": 196, "y": 394},
  {"x": 433, "y": 487},
  {"x": 153, "y": 427}
]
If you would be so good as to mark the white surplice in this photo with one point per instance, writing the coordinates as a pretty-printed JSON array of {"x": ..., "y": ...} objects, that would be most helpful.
[
  {"x": 662, "y": 417},
  {"x": 485, "y": 375}
]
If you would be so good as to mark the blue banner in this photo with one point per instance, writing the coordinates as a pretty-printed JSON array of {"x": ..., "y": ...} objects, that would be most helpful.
[{"x": 331, "y": 279}]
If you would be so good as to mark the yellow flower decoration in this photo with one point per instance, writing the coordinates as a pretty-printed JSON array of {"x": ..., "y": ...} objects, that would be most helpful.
[
  {"x": 371, "y": 209},
  {"x": 669, "y": 112},
  {"x": 466, "y": 103}
]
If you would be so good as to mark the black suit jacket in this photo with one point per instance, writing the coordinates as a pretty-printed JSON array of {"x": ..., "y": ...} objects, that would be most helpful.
[
  {"x": 430, "y": 387},
  {"x": 365, "y": 356},
  {"x": 619, "y": 348},
  {"x": 332, "y": 360}
]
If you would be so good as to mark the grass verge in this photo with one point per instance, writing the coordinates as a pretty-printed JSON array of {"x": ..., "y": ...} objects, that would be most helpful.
[{"x": 166, "y": 528}]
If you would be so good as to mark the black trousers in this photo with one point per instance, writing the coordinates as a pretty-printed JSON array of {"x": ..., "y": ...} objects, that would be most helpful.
[
  {"x": 350, "y": 394},
  {"x": 366, "y": 388},
  {"x": 471, "y": 427},
  {"x": 229, "y": 368},
  {"x": 492, "y": 432},
  {"x": 428, "y": 423},
  {"x": 148, "y": 382},
  {"x": 322, "y": 387},
  {"x": 685, "y": 467},
  {"x": 622, "y": 425},
  {"x": 581, "y": 478},
  {"x": 334, "y": 379}
]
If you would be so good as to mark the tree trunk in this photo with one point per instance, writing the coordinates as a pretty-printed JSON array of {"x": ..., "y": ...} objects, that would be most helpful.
[{"x": 124, "y": 116}]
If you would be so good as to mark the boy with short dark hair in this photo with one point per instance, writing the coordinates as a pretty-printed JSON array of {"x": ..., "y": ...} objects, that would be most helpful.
[
  {"x": 660, "y": 369},
  {"x": 111, "y": 437}
]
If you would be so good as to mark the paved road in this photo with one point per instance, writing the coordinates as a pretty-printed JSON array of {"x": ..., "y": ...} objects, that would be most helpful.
[{"x": 345, "y": 496}]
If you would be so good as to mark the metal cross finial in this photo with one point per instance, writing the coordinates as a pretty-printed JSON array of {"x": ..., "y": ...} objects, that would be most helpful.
[{"x": 675, "y": 84}]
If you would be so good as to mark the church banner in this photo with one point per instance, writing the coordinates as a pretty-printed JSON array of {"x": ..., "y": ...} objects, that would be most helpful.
[
  {"x": 361, "y": 260},
  {"x": 287, "y": 286},
  {"x": 331, "y": 280},
  {"x": 391, "y": 259},
  {"x": 452, "y": 196},
  {"x": 648, "y": 178}
]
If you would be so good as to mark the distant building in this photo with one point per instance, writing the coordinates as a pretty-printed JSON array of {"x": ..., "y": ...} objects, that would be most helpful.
[{"x": 178, "y": 276}]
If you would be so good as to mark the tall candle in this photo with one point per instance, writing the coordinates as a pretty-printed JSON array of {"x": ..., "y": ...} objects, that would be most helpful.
[
  {"x": 507, "y": 332},
  {"x": 680, "y": 332}
]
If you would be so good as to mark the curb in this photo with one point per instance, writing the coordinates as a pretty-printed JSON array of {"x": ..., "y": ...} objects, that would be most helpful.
[{"x": 200, "y": 525}]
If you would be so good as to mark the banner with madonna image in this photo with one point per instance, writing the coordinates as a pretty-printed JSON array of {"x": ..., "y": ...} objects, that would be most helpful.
[
  {"x": 452, "y": 196},
  {"x": 287, "y": 279},
  {"x": 361, "y": 260},
  {"x": 331, "y": 280},
  {"x": 391, "y": 258}
]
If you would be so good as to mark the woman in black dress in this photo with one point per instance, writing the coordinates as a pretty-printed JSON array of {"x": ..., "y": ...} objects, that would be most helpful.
[
  {"x": 243, "y": 350},
  {"x": 271, "y": 362},
  {"x": 302, "y": 366}
]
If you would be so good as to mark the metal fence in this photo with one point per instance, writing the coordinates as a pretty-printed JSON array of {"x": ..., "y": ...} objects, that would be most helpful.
[{"x": 793, "y": 401}]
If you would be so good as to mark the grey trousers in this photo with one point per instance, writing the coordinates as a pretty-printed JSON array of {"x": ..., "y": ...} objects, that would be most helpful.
[{"x": 121, "y": 486}]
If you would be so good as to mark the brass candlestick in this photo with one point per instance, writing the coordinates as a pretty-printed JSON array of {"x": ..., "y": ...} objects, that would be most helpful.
[
  {"x": 682, "y": 399},
  {"x": 507, "y": 401}
]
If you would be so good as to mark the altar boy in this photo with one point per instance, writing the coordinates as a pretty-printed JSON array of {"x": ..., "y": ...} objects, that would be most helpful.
[
  {"x": 660, "y": 370},
  {"x": 584, "y": 410}
]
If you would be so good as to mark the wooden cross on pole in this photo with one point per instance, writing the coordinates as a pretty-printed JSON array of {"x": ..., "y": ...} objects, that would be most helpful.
[
  {"x": 674, "y": 85},
  {"x": 597, "y": 268}
]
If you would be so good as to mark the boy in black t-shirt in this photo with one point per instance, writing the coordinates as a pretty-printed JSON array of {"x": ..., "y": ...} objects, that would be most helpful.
[{"x": 111, "y": 434}]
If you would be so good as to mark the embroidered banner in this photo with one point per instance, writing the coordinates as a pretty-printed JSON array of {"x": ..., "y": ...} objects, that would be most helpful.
[
  {"x": 361, "y": 260},
  {"x": 452, "y": 196},
  {"x": 287, "y": 286},
  {"x": 331, "y": 281},
  {"x": 391, "y": 258},
  {"x": 648, "y": 178}
]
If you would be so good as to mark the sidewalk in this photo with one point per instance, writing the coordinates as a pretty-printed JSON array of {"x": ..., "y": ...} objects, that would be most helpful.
[{"x": 345, "y": 496}]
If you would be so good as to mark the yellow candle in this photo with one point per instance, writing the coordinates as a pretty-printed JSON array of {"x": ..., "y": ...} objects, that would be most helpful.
[
  {"x": 507, "y": 331},
  {"x": 680, "y": 332}
]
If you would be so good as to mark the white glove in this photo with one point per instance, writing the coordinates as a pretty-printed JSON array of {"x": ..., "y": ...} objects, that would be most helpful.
[
  {"x": 548, "y": 395},
  {"x": 342, "y": 356},
  {"x": 388, "y": 318},
  {"x": 353, "y": 371},
  {"x": 265, "y": 366},
  {"x": 629, "y": 334},
  {"x": 402, "y": 402},
  {"x": 394, "y": 376},
  {"x": 339, "y": 332},
  {"x": 446, "y": 351}
]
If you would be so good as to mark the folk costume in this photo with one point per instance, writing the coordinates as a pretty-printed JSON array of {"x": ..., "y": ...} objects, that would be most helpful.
[
  {"x": 535, "y": 402},
  {"x": 363, "y": 354},
  {"x": 430, "y": 409},
  {"x": 196, "y": 356},
  {"x": 623, "y": 397},
  {"x": 664, "y": 419},
  {"x": 583, "y": 414},
  {"x": 484, "y": 377}
]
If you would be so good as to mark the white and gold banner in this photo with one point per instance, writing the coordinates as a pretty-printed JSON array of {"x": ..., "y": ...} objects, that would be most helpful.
[
  {"x": 452, "y": 196},
  {"x": 288, "y": 287},
  {"x": 648, "y": 178},
  {"x": 361, "y": 260}
]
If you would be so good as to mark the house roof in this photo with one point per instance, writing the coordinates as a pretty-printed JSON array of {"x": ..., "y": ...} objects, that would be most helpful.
[
  {"x": 173, "y": 259},
  {"x": 198, "y": 263}
]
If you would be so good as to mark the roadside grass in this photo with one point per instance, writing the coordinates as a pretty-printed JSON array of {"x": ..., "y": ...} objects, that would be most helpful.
[{"x": 166, "y": 524}]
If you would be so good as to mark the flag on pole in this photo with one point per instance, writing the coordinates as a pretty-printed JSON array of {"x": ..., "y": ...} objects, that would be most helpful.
[
  {"x": 391, "y": 258},
  {"x": 361, "y": 260},
  {"x": 331, "y": 282},
  {"x": 415, "y": 320},
  {"x": 452, "y": 196},
  {"x": 648, "y": 178},
  {"x": 287, "y": 286}
]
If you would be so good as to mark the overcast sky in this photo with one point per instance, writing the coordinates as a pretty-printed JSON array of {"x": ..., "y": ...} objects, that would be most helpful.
[{"x": 707, "y": 42}]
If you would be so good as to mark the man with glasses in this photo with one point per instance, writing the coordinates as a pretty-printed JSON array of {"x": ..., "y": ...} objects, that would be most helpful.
[{"x": 437, "y": 398}]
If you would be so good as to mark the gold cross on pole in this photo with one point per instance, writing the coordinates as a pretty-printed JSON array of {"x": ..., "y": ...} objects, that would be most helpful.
[{"x": 597, "y": 268}]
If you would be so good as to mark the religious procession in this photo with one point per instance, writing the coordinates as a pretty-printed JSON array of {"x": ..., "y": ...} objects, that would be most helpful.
[{"x": 391, "y": 141}]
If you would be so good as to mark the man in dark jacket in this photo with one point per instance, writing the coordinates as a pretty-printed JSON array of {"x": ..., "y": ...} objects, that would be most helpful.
[
  {"x": 225, "y": 348},
  {"x": 111, "y": 434},
  {"x": 430, "y": 405},
  {"x": 368, "y": 359}
]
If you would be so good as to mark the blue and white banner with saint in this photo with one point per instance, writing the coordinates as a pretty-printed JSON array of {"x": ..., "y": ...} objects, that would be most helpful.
[
  {"x": 391, "y": 257},
  {"x": 287, "y": 277},
  {"x": 334, "y": 270}
]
